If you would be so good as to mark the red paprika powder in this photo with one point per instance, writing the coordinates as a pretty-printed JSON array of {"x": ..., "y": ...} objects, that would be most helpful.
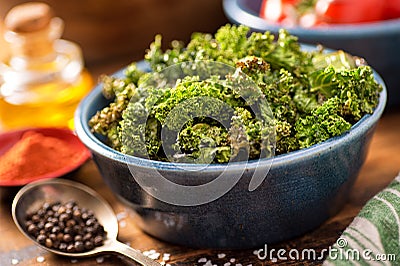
[{"x": 34, "y": 155}]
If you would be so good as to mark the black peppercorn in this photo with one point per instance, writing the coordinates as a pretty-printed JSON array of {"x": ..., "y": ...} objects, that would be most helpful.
[
  {"x": 53, "y": 237},
  {"x": 87, "y": 237},
  {"x": 55, "y": 229},
  {"x": 79, "y": 247},
  {"x": 60, "y": 236},
  {"x": 48, "y": 226},
  {"x": 67, "y": 230},
  {"x": 48, "y": 243},
  {"x": 65, "y": 227},
  {"x": 70, "y": 248},
  {"x": 90, "y": 222},
  {"x": 63, "y": 246},
  {"x": 50, "y": 213},
  {"x": 78, "y": 238},
  {"x": 61, "y": 209},
  {"x": 64, "y": 217},
  {"x": 32, "y": 229},
  {"x": 98, "y": 241},
  {"x": 35, "y": 218},
  {"x": 41, "y": 239},
  {"x": 70, "y": 223},
  {"x": 89, "y": 245},
  {"x": 67, "y": 238},
  {"x": 46, "y": 206}
]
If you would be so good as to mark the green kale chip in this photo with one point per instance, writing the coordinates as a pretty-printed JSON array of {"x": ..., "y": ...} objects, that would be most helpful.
[{"x": 278, "y": 98}]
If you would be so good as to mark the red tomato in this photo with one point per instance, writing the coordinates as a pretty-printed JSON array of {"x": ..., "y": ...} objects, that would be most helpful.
[
  {"x": 278, "y": 11},
  {"x": 392, "y": 9},
  {"x": 350, "y": 11},
  {"x": 272, "y": 10},
  {"x": 309, "y": 20}
]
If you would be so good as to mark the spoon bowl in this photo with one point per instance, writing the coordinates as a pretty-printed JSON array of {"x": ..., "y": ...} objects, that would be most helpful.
[{"x": 31, "y": 197}]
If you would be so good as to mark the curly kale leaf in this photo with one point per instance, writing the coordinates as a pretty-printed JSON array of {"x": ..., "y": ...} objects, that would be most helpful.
[
  {"x": 356, "y": 89},
  {"x": 133, "y": 74},
  {"x": 349, "y": 93},
  {"x": 230, "y": 44},
  {"x": 282, "y": 90},
  {"x": 338, "y": 59},
  {"x": 192, "y": 98},
  {"x": 159, "y": 59},
  {"x": 305, "y": 100},
  {"x": 122, "y": 92},
  {"x": 203, "y": 143},
  {"x": 323, "y": 123},
  {"x": 278, "y": 89},
  {"x": 132, "y": 133},
  {"x": 226, "y": 46},
  {"x": 286, "y": 140},
  {"x": 288, "y": 54},
  {"x": 250, "y": 137},
  {"x": 254, "y": 67},
  {"x": 139, "y": 133}
]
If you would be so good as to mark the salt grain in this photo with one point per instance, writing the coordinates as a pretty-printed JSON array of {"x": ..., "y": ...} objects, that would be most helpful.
[
  {"x": 232, "y": 260},
  {"x": 166, "y": 257},
  {"x": 40, "y": 259},
  {"x": 14, "y": 261},
  {"x": 100, "y": 259},
  {"x": 122, "y": 224},
  {"x": 221, "y": 256},
  {"x": 149, "y": 252},
  {"x": 121, "y": 215},
  {"x": 238, "y": 264},
  {"x": 227, "y": 264},
  {"x": 202, "y": 260},
  {"x": 74, "y": 261},
  {"x": 208, "y": 263},
  {"x": 154, "y": 256}
]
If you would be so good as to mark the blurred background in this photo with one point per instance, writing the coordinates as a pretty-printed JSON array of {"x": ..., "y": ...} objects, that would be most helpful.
[
  {"x": 120, "y": 30},
  {"x": 114, "y": 33}
]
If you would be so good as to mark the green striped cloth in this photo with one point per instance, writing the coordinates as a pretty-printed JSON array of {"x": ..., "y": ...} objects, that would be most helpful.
[{"x": 373, "y": 238}]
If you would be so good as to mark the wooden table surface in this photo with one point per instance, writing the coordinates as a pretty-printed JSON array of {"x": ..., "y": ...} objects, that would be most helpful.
[{"x": 381, "y": 166}]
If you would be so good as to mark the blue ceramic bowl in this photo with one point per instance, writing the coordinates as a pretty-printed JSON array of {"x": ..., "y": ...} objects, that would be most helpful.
[
  {"x": 301, "y": 191},
  {"x": 377, "y": 42}
]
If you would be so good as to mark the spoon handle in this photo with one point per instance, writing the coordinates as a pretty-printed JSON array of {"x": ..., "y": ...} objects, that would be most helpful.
[{"x": 132, "y": 254}]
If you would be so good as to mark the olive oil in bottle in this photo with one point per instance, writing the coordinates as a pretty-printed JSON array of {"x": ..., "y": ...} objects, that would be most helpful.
[{"x": 43, "y": 79}]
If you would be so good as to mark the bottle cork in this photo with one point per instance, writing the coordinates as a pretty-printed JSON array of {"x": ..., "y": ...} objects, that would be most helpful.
[
  {"x": 30, "y": 29},
  {"x": 29, "y": 17}
]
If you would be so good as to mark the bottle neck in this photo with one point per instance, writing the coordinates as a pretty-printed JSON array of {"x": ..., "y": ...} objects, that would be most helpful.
[{"x": 33, "y": 47}]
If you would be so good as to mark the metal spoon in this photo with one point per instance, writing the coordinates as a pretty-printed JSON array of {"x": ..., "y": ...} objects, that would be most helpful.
[{"x": 31, "y": 197}]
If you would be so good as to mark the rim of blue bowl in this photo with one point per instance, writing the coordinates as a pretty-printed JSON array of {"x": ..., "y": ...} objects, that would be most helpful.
[
  {"x": 83, "y": 131},
  {"x": 245, "y": 15}
]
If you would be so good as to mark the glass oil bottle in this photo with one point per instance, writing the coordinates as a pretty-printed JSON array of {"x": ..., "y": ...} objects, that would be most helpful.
[{"x": 43, "y": 79}]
